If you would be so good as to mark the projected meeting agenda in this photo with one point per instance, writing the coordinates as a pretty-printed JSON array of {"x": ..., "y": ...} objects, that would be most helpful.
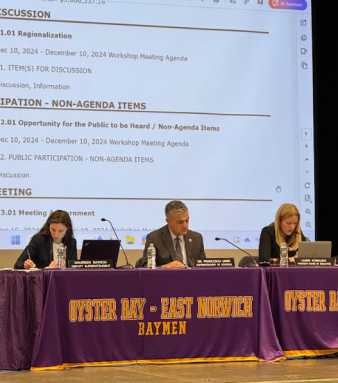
[{"x": 112, "y": 109}]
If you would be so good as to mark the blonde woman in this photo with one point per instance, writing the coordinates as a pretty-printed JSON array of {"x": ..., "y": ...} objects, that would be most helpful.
[{"x": 285, "y": 229}]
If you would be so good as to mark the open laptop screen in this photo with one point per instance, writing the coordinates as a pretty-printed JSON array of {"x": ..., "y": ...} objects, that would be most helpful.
[
  {"x": 100, "y": 249},
  {"x": 317, "y": 249}
]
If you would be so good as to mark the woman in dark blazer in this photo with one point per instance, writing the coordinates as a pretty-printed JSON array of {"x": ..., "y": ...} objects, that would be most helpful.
[
  {"x": 285, "y": 229},
  {"x": 42, "y": 249}
]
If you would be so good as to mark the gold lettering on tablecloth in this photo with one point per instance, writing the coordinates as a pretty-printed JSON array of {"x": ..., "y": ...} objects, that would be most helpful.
[
  {"x": 225, "y": 307},
  {"x": 162, "y": 328},
  {"x": 132, "y": 308},
  {"x": 333, "y": 296},
  {"x": 176, "y": 308},
  {"x": 81, "y": 310},
  {"x": 304, "y": 300}
]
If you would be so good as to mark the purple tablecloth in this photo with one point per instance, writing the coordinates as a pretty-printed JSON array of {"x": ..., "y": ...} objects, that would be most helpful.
[
  {"x": 21, "y": 305},
  {"x": 108, "y": 317},
  {"x": 304, "y": 306}
]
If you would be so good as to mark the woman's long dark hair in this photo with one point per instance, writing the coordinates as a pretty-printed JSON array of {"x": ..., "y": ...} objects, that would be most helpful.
[{"x": 58, "y": 216}]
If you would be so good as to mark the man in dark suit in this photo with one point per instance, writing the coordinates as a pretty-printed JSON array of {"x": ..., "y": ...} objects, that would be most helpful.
[{"x": 176, "y": 245}]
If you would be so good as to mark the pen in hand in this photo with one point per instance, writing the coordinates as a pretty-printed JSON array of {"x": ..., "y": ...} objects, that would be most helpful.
[{"x": 29, "y": 263}]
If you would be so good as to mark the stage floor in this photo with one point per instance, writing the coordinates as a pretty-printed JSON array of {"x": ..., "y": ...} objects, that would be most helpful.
[{"x": 300, "y": 370}]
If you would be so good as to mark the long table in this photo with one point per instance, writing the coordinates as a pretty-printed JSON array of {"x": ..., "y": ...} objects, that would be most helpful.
[
  {"x": 21, "y": 307},
  {"x": 103, "y": 317},
  {"x": 304, "y": 305},
  {"x": 55, "y": 319}
]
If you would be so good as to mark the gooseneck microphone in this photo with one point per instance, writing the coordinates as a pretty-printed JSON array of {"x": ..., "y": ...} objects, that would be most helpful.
[
  {"x": 127, "y": 265},
  {"x": 253, "y": 259}
]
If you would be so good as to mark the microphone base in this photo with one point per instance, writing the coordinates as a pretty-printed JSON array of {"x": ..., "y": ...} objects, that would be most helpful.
[
  {"x": 264, "y": 263},
  {"x": 250, "y": 265},
  {"x": 128, "y": 266}
]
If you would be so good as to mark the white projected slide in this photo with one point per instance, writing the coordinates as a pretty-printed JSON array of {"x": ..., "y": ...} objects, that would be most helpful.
[{"x": 112, "y": 109}]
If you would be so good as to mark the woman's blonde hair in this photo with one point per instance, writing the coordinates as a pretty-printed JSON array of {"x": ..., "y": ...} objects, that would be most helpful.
[{"x": 285, "y": 211}]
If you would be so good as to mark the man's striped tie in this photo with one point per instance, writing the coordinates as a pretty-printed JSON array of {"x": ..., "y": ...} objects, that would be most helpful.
[{"x": 178, "y": 249}]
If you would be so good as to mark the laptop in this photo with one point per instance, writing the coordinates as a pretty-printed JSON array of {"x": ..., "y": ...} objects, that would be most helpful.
[
  {"x": 100, "y": 249},
  {"x": 317, "y": 249}
]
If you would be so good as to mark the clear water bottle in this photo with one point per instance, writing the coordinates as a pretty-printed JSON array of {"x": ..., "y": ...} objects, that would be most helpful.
[
  {"x": 151, "y": 255},
  {"x": 62, "y": 257},
  {"x": 283, "y": 255}
]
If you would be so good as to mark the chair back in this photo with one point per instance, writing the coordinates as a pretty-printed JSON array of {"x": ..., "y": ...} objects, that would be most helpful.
[
  {"x": 248, "y": 261},
  {"x": 139, "y": 263}
]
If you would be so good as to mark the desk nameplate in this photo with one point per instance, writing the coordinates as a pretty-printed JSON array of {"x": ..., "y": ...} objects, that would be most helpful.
[
  {"x": 91, "y": 264},
  {"x": 216, "y": 262},
  {"x": 316, "y": 262}
]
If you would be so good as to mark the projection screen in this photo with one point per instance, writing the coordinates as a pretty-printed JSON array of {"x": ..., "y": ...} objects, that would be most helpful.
[{"x": 113, "y": 108}]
